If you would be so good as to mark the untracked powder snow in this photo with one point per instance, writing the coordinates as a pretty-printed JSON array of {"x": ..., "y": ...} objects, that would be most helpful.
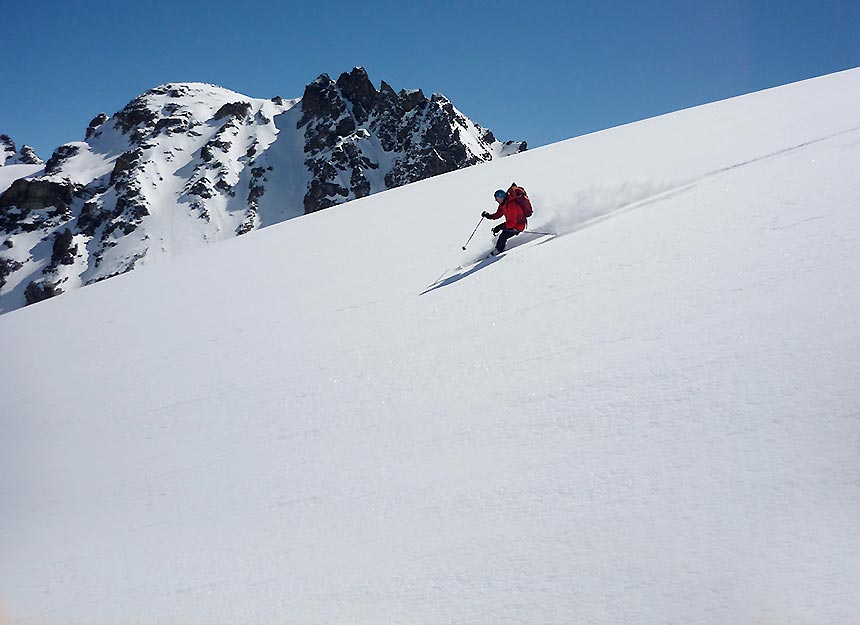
[{"x": 653, "y": 417}]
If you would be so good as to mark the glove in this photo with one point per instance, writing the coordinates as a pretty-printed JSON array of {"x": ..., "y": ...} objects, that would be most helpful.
[
  {"x": 485, "y": 215},
  {"x": 498, "y": 228}
]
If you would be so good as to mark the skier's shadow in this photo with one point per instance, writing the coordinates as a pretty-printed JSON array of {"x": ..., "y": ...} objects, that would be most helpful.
[{"x": 463, "y": 274}]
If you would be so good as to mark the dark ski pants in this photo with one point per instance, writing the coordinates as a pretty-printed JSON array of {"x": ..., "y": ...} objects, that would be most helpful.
[{"x": 506, "y": 234}]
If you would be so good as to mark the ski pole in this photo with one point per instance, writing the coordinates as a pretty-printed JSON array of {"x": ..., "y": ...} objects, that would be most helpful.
[
  {"x": 537, "y": 232},
  {"x": 474, "y": 231}
]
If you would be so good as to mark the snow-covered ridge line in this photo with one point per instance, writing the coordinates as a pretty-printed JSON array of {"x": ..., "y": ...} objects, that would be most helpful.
[
  {"x": 10, "y": 155},
  {"x": 186, "y": 164}
]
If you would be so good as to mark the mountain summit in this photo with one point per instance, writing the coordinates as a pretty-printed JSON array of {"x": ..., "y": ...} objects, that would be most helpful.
[
  {"x": 185, "y": 164},
  {"x": 350, "y": 127},
  {"x": 10, "y": 155}
]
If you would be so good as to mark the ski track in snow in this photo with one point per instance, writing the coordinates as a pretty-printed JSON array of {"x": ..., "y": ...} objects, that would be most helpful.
[
  {"x": 654, "y": 418},
  {"x": 604, "y": 204}
]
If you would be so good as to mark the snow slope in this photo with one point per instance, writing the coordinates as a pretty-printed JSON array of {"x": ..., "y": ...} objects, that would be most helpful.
[
  {"x": 654, "y": 418},
  {"x": 11, "y": 173}
]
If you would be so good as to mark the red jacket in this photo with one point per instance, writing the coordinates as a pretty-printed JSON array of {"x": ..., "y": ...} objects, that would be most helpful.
[{"x": 515, "y": 218}]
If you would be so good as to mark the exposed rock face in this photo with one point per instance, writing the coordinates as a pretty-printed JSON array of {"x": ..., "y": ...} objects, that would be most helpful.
[
  {"x": 39, "y": 290},
  {"x": 136, "y": 119},
  {"x": 7, "y": 268},
  {"x": 30, "y": 205},
  {"x": 10, "y": 155},
  {"x": 341, "y": 120},
  {"x": 64, "y": 251},
  {"x": 95, "y": 124},
  {"x": 7, "y": 145},
  {"x": 27, "y": 156},
  {"x": 238, "y": 110},
  {"x": 182, "y": 165},
  {"x": 60, "y": 155},
  {"x": 37, "y": 194}
]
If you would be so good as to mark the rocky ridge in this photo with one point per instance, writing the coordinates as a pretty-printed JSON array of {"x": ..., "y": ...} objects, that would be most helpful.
[
  {"x": 10, "y": 155},
  {"x": 349, "y": 126}
]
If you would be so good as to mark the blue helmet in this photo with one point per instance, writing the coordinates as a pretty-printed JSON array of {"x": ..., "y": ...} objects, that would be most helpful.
[{"x": 499, "y": 195}]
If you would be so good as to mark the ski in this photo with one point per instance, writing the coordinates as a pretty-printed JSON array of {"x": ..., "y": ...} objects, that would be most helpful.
[{"x": 514, "y": 247}]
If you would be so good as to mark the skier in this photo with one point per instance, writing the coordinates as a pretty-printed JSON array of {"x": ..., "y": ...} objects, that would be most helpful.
[{"x": 515, "y": 206}]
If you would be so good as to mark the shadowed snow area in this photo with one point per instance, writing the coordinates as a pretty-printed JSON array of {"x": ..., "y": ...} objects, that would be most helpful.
[{"x": 652, "y": 418}]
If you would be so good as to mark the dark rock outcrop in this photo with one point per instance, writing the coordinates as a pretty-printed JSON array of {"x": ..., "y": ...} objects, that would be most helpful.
[
  {"x": 40, "y": 290},
  {"x": 60, "y": 156},
  {"x": 25, "y": 156},
  {"x": 125, "y": 162},
  {"x": 8, "y": 266},
  {"x": 359, "y": 91},
  {"x": 237, "y": 110},
  {"x": 171, "y": 125},
  {"x": 63, "y": 252},
  {"x": 37, "y": 194},
  {"x": 7, "y": 144},
  {"x": 136, "y": 119},
  {"x": 96, "y": 122},
  {"x": 423, "y": 134}
]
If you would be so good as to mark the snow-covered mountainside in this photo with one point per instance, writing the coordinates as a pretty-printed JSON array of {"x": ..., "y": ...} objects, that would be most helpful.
[
  {"x": 653, "y": 417},
  {"x": 14, "y": 165},
  {"x": 186, "y": 164}
]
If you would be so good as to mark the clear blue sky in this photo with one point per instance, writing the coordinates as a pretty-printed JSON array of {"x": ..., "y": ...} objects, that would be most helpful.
[{"x": 542, "y": 71}]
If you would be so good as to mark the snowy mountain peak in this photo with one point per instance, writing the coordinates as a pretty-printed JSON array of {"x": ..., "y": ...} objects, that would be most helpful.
[
  {"x": 186, "y": 164},
  {"x": 10, "y": 155},
  {"x": 360, "y": 140}
]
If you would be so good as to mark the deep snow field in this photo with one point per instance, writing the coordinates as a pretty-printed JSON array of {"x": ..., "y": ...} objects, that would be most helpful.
[{"x": 653, "y": 418}]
